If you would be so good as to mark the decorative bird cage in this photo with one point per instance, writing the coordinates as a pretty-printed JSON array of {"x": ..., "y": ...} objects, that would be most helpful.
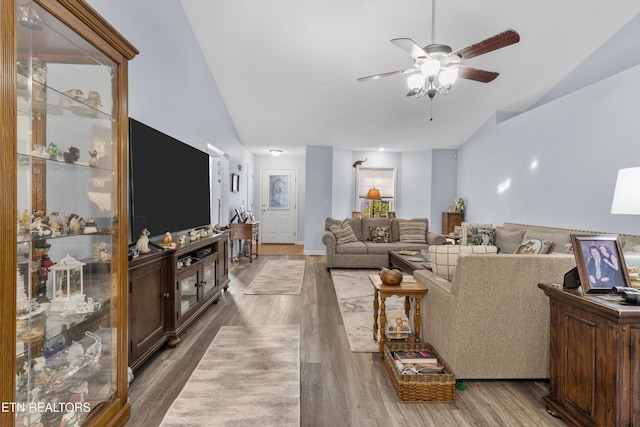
[{"x": 68, "y": 285}]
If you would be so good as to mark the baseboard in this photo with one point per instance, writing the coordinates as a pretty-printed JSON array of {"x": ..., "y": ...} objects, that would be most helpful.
[{"x": 314, "y": 252}]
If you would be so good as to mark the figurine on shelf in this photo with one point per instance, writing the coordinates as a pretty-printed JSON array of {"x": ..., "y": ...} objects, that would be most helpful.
[
  {"x": 68, "y": 97},
  {"x": 193, "y": 235},
  {"x": 76, "y": 224},
  {"x": 143, "y": 242},
  {"x": 182, "y": 240},
  {"x": 167, "y": 241},
  {"x": 56, "y": 224},
  {"x": 72, "y": 156},
  {"x": 94, "y": 100},
  {"x": 52, "y": 149},
  {"x": 93, "y": 158}
]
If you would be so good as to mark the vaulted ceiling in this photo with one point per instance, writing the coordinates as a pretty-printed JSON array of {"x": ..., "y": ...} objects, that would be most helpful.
[{"x": 287, "y": 69}]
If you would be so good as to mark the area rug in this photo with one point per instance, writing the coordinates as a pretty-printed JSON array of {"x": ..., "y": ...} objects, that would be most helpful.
[
  {"x": 355, "y": 298},
  {"x": 249, "y": 376},
  {"x": 278, "y": 277}
]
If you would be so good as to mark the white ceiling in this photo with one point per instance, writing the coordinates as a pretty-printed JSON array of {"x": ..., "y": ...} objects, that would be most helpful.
[{"x": 287, "y": 69}]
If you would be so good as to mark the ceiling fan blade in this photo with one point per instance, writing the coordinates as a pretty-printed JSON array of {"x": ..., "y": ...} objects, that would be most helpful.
[
  {"x": 498, "y": 41},
  {"x": 411, "y": 48},
  {"x": 390, "y": 73},
  {"x": 481, "y": 76}
]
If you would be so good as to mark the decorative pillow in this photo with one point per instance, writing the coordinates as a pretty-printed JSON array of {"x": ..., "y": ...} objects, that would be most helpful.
[
  {"x": 466, "y": 230},
  {"x": 413, "y": 231},
  {"x": 534, "y": 246},
  {"x": 343, "y": 232},
  {"x": 481, "y": 236},
  {"x": 444, "y": 258},
  {"x": 379, "y": 234},
  {"x": 558, "y": 240},
  {"x": 508, "y": 241}
]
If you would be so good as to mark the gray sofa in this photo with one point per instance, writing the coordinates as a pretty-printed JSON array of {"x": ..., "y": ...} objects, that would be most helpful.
[
  {"x": 364, "y": 253},
  {"x": 485, "y": 314}
]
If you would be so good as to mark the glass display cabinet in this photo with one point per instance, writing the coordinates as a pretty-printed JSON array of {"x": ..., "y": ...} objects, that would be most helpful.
[{"x": 63, "y": 257}]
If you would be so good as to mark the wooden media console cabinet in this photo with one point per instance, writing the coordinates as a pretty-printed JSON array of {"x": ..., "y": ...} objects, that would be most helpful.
[{"x": 169, "y": 289}]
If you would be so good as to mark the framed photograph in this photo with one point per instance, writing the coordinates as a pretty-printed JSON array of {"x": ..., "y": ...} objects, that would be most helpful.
[
  {"x": 600, "y": 262},
  {"x": 235, "y": 182},
  {"x": 391, "y": 214},
  {"x": 356, "y": 214}
]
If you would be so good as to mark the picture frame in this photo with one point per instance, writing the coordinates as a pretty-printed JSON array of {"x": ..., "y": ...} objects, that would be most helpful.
[
  {"x": 600, "y": 263},
  {"x": 391, "y": 214},
  {"x": 235, "y": 182}
]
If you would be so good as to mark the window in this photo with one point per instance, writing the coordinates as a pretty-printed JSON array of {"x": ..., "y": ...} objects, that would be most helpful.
[{"x": 384, "y": 179}]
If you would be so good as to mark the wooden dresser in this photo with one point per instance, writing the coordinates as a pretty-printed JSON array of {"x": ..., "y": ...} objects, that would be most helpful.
[
  {"x": 594, "y": 370},
  {"x": 450, "y": 220}
]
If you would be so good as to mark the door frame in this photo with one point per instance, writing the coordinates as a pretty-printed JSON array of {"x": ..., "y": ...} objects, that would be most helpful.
[{"x": 293, "y": 194}]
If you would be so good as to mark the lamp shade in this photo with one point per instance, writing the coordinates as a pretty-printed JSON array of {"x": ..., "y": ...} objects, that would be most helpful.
[
  {"x": 626, "y": 198},
  {"x": 373, "y": 194}
]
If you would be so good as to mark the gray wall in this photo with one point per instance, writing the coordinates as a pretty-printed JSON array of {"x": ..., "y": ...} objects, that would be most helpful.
[
  {"x": 318, "y": 189},
  {"x": 556, "y": 165}
]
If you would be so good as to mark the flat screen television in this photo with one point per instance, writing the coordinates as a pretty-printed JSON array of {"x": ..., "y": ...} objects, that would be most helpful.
[{"x": 169, "y": 183}]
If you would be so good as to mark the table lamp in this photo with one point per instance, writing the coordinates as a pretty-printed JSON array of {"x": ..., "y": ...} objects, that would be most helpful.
[
  {"x": 626, "y": 197},
  {"x": 373, "y": 194}
]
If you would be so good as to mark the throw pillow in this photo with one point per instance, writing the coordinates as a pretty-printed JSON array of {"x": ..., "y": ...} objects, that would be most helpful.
[
  {"x": 413, "y": 231},
  {"x": 444, "y": 258},
  {"x": 481, "y": 236},
  {"x": 534, "y": 246},
  {"x": 379, "y": 234},
  {"x": 343, "y": 232},
  {"x": 466, "y": 231},
  {"x": 508, "y": 241}
]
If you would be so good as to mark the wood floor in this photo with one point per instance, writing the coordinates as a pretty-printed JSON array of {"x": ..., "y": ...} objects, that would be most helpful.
[{"x": 338, "y": 387}]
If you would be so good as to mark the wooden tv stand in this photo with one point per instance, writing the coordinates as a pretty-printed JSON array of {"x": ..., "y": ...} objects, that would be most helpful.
[
  {"x": 165, "y": 298},
  {"x": 594, "y": 370}
]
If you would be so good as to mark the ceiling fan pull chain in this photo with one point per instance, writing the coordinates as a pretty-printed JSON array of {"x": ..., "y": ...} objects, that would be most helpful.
[{"x": 431, "y": 108}]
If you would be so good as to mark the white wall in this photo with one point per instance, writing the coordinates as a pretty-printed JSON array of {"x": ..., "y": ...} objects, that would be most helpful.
[
  {"x": 170, "y": 86},
  {"x": 557, "y": 164}
]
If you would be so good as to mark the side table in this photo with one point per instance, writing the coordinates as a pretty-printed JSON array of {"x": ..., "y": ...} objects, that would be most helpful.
[{"x": 408, "y": 289}]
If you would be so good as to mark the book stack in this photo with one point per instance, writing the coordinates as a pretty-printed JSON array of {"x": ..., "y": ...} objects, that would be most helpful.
[{"x": 416, "y": 362}]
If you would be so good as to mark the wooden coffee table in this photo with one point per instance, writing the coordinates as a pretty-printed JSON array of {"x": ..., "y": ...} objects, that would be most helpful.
[
  {"x": 408, "y": 261},
  {"x": 409, "y": 288}
]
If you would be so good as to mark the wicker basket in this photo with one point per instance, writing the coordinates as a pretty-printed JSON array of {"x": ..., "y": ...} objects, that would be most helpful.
[{"x": 421, "y": 387}]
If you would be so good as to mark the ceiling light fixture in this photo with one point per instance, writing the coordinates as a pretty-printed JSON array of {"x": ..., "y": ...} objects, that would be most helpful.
[{"x": 275, "y": 153}]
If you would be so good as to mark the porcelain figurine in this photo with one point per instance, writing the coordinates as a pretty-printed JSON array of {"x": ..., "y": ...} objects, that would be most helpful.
[
  {"x": 76, "y": 224},
  {"x": 143, "y": 242},
  {"x": 69, "y": 96},
  {"x": 72, "y": 156},
  {"x": 182, "y": 240},
  {"x": 52, "y": 149},
  {"x": 93, "y": 158},
  {"x": 167, "y": 241}
]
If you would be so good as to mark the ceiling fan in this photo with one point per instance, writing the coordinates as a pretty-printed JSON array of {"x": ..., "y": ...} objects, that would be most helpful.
[{"x": 440, "y": 66}]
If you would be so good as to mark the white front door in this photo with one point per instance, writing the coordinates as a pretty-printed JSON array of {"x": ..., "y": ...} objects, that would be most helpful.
[{"x": 278, "y": 205}]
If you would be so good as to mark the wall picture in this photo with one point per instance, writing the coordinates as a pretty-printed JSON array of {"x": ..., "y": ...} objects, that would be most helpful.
[
  {"x": 279, "y": 191},
  {"x": 235, "y": 182},
  {"x": 600, "y": 262}
]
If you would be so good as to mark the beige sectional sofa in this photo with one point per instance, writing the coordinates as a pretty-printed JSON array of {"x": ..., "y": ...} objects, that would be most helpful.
[
  {"x": 363, "y": 252},
  {"x": 486, "y": 317}
]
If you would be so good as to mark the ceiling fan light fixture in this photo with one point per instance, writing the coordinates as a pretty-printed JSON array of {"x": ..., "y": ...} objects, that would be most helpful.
[
  {"x": 430, "y": 68},
  {"x": 275, "y": 153},
  {"x": 416, "y": 81},
  {"x": 448, "y": 76}
]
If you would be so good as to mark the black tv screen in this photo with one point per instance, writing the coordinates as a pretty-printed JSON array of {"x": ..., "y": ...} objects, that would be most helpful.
[{"x": 169, "y": 183}]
